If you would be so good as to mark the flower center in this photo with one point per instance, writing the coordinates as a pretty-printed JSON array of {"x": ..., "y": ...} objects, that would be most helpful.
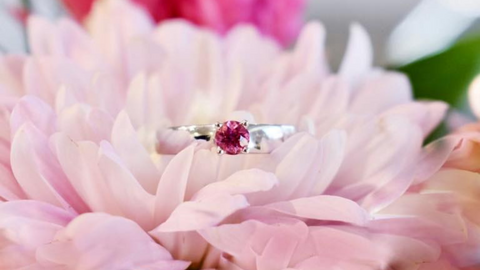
[{"x": 232, "y": 137}]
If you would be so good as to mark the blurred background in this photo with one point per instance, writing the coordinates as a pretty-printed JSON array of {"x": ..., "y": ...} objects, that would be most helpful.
[
  {"x": 402, "y": 30},
  {"x": 435, "y": 42}
]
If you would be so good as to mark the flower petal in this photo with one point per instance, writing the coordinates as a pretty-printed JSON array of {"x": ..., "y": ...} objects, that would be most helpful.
[
  {"x": 426, "y": 115},
  {"x": 102, "y": 242},
  {"x": 134, "y": 202},
  {"x": 126, "y": 143},
  {"x": 33, "y": 110},
  {"x": 309, "y": 53},
  {"x": 172, "y": 186},
  {"x": 202, "y": 214},
  {"x": 38, "y": 172},
  {"x": 242, "y": 182},
  {"x": 358, "y": 58},
  {"x": 324, "y": 207}
]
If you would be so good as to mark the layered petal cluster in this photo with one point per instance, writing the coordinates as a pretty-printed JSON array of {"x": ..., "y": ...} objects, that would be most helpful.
[
  {"x": 467, "y": 154},
  {"x": 92, "y": 178},
  {"x": 280, "y": 19}
]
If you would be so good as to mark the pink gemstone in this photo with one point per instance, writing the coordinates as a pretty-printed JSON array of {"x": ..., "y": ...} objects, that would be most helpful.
[{"x": 232, "y": 137}]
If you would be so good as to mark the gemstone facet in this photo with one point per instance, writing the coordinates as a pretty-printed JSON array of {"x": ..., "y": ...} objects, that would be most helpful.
[{"x": 232, "y": 137}]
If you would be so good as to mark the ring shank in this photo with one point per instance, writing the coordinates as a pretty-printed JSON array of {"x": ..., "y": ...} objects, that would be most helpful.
[{"x": 263, "y": 137}]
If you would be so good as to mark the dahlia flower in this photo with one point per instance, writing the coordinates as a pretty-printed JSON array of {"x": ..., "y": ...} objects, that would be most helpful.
[
  {"x": 280, "y": 19},
  {"x": 93, "y": 179}
]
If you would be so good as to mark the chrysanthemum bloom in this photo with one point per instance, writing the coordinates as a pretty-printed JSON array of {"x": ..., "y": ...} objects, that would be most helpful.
[
  {"x": 86, "y": 185},
  {"x": 280, "y": 19}
]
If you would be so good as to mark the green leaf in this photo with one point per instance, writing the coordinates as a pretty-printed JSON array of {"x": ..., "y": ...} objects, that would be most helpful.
[{"x": 447, "y": 75}]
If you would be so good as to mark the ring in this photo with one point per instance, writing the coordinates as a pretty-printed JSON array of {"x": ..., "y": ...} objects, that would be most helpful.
[{"x": 234, "y": 137}]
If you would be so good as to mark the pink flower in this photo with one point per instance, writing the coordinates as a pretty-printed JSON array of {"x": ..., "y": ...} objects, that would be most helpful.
[
  {"x": 83, "y": 185},
  {"x": 467, "y": 154},
  {"x": 280, "y": 19}
]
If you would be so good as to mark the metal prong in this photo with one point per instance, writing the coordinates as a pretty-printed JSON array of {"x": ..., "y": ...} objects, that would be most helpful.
[
  {"x": 218, "y": 125},
  {"x": 220, "y": 151},
  {"x": 245, "y": 123},
  {"x": 245, "y": 150}
]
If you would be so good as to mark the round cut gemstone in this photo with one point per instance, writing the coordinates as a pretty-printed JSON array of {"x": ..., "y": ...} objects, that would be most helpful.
[{"x": 232, "y": 137}]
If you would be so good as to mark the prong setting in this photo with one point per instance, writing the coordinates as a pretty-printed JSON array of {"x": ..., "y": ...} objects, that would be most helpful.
[
  {"x": 232, "y": 137},
  {"x": 245, "y": 150},
  {"x": 245, "y": 123},
  {"x": 220, "y": 151},
  {"x": 218, "y": 125}
]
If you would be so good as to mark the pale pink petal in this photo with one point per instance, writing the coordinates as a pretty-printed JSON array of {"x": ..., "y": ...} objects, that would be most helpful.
[
  {"x": 436, "y": 212},
  {"x": 33, "y": 110},
  {"x": 309, "y": 53},
  {"x": 467, "y": 152},
  {"x": 64, "y": 38},
  {"x": 187, "y": 246},
  {"x": 247, "y": 241},
  {"x": 333, "y": 148},
  {"x": 129, "y": 148},
  {"x": 203, "y": 171},
  {"x": 44, "y": 76},
  {"x": 466, "y": 190},
  {"x": 78, "y": 160},
  {"x": 388, "y": 90},
  {"x": 215, "y": 202},
  {"x": 346, "y": 246},
  {"x": 35, "y": 210},
  {"x": 292, "y": 167},
  {"x": 64, "y": 99},
  {"x": 248, "y": 57},
  {"x": 242, "y": 182},
  {"x": 176, "y": 38},
  {"x": 38, "y": 172},
  {"x": 202, "y": 214},
  {"x": 325, "y": 207},
  {"x": 434, "y": 156},
  {"x": 427, "y": 115},
  {"x": 144, "y": 105},
  {"x": 456, "y": 120},
  {"x": 143, "y": 55},
  {"x": 387, "y": 193},
  {"x": 112, "y": 23},
  {"x": 43, "y": 37},
  {"x": 11, "y": 69},
  {"x": 439, "y": 265},
  {"x": 405, "y": 252},
  {"x": 102, "y": 242},
  {"x": 332, "y": 99},
  {"x": 172, "y": 186},
  {"x": 24, "y": 226},
  {"x": 133, "y": 201},
  {"x": 171, "y": 142},
  {"x": 82, "y": 122},
  {"x": 418, "y": 227},
  {"x": 393, "y": 143},
  {"x": 9, "y": 188},
  {"x": 358, "y": 58}
]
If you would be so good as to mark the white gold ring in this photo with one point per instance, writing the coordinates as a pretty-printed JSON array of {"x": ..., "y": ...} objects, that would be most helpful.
[{"x": 233, "y": 137}]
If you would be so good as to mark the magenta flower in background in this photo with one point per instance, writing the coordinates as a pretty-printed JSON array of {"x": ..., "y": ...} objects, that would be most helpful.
[
  {"x": 84, "y": 183},
  {"x": 279, "y": 19}
]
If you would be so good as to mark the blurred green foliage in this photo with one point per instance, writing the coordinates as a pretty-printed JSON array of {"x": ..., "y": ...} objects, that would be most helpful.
[{"x": 447, "y": 75}]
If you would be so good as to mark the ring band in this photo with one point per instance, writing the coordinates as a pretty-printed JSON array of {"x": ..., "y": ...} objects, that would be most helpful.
[{"x": 233, "y": 137}]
